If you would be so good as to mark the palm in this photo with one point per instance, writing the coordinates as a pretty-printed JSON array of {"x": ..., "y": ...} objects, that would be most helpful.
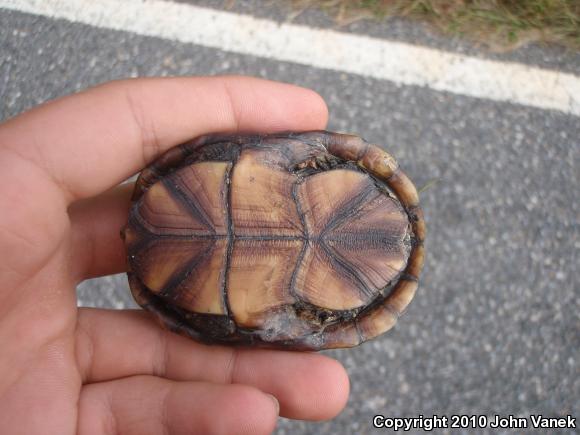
[{"x": 68, "y": 370}]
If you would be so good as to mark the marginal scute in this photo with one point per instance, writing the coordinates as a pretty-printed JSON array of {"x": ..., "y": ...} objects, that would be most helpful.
[
  {"x": 419, "y": 228},
  {"x": 130, "y": 236},
  {"x": 378, "y": 321},
  {"x": 341, "y": 335},
  {"x": 416, "y": 260},
  {"x": 406, "y": 191},
  {"x": 347, "y": 146},
  {"x": 402, "y": 295},
  {"x": 152, "y": 173},
  {"x": 379, "y": 162},
  {"x": 287, "y": 152}
]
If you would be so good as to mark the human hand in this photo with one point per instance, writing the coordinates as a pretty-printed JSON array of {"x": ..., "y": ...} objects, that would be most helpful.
[{"x": 67, "y": 370}]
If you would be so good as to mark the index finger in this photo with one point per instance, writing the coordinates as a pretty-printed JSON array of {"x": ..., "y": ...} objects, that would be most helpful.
[{"x": 91, "y": 141}]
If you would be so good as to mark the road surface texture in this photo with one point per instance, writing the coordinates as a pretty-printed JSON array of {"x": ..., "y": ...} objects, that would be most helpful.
[{"x": 495, "y": 326}]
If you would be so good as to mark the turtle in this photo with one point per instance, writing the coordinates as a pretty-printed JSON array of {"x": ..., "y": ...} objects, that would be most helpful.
[{"x": 296, "y": 240}]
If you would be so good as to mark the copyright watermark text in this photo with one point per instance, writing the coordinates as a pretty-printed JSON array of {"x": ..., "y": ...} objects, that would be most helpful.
[{"x": 459, "y": 421}]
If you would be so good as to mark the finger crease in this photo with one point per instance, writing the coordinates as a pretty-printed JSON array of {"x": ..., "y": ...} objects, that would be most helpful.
[
  {"x": 88, "y": 349},
  {"x": 164, "y": 417},
  {"x": 113, "y": 424},
  {"x": 231, "y": 368},
  {"x": 233, "y": 107},
  {"x": 147, "y": 132},
  {"x": 161, "y": 363},
  {"x": 66, "y": 191}
]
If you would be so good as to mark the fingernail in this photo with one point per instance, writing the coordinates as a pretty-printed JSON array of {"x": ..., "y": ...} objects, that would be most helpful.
[{"x": 276, "y": 403}]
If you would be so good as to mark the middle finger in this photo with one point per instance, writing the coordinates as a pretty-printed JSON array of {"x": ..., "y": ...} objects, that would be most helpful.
[{"x": 114, "y": 344}]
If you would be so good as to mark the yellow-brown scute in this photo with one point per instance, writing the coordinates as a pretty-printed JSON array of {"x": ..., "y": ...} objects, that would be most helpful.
[
  {"x": 357, "y": 235},
  {"x": 259, "y": 278},
  {"x": 253, "y": 238}
]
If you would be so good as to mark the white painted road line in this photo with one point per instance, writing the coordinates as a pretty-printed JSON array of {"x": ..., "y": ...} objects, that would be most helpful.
[{"x": 396, "y": 62}]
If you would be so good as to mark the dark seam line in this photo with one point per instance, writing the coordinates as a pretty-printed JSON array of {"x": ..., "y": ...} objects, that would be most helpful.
[
  {"x": 408, "y": 277},
  {"x": 305, "y": 238},
  {"x": 297, "y": 268},
  {"x": 266, "y": 238},
  {"x": 141, "y": 243},
  {"x": 389, "y": 307},
  {"x": 339, "y": 261},
  {"x": 386, "y": 179},
  {"x": 178, "y": 277},
  {"x": 357, "y": 327},
  {"x": 285, "y": 151},
  {"x": 230, "y": 236},
  {"x": 347, "y": 210},
  {"x": 299, "y": 210},
  {"x": 191, "y": 206},
  {"x": 381, "y": 235},
  {"x": 138, "y": 221}
]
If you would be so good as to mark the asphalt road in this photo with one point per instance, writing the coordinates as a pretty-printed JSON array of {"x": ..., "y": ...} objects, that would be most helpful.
[{"x": 495, "y": 326}]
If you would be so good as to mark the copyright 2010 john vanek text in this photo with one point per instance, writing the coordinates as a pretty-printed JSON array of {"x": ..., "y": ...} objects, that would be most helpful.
[{"x": 534, "y": 421}]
